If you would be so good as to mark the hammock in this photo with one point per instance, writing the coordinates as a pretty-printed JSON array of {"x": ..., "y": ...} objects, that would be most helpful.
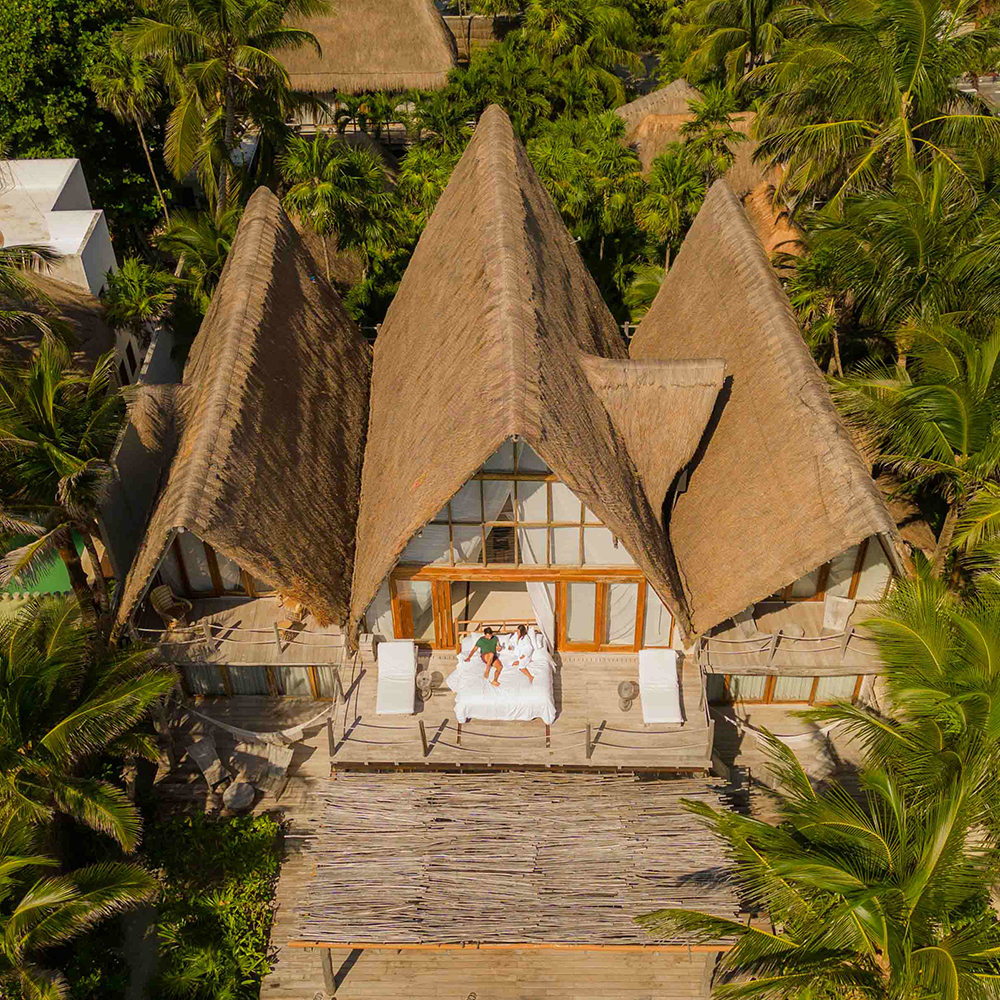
[{"x": 279, "y": 738}]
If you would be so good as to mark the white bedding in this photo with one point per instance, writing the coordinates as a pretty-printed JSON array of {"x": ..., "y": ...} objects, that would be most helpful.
[{"x": 516, "y": 700}]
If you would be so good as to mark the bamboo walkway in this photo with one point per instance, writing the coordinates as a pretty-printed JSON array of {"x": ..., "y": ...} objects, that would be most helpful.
[{"x": 503, "y": 858}]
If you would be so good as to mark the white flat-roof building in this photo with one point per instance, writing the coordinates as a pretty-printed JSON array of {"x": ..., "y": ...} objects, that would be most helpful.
[{"x": 47, "y": 201}]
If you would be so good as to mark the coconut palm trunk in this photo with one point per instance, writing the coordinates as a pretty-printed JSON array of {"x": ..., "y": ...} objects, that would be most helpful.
[
  {"x": 943, "y": 545},
  {"x": 152, "y": 171},
  {"x": 100, "y": 584},
  {"x": 74, "y": 568}
]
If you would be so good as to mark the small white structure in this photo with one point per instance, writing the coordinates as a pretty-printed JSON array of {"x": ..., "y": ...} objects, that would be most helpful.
[{"x": 46, "y": 201}]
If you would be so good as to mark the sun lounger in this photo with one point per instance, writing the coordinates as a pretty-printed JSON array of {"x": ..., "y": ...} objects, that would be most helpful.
[
  {"x": 658, "y": 688},
  {"x": 397, "y": 677}
]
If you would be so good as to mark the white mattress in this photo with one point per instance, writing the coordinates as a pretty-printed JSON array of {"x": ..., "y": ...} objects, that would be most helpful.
[{"x": 516, "y": 699}]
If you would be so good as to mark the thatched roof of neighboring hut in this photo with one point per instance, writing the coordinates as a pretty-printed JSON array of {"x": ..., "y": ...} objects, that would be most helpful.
[
  {"x": 777, "y": 487},
  {"x": 772, "y": 224},
  {"x": 374, "y": 45},
  {"x": 82, "y": 313},
  {"x": 498, "y": 329},
  {"x": 270, "y": 424},
  {"x": 669, "y": 100}
]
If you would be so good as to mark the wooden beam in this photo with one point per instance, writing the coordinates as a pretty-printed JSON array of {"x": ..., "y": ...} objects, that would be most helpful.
[{"x": 512, "y": 946}]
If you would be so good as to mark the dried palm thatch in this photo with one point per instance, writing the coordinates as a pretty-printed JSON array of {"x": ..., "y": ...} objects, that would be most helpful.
[
  {"x": 669, "y": 100},
  {"x": 274, "y": 405},
  {"x": 370, "y": 45},
  {"x": 498, "y": 330},
  {"x": 777, "y": 487},
  {"x": 777, "y": 232}
]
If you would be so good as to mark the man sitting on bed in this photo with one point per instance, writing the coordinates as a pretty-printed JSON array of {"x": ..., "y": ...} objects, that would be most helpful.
[{"x": 488, "y": 646}]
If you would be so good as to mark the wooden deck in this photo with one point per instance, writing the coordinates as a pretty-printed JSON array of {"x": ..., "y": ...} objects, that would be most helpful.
[
  {"x": 240, "y": 631},
  {"x": 808, "y": 652},
  {"x": 586, "y": 691}
]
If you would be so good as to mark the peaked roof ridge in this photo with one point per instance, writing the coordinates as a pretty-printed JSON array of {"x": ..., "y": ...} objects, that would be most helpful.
[
  {"x": 669, "y": 100},
  {"x": 808, "y": 492}
]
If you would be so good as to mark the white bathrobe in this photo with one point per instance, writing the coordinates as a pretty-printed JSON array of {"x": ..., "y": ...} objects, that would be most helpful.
[{"x": 521, "y": 648}]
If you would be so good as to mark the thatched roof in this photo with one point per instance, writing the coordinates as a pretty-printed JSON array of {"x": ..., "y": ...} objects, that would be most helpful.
[
  {"x": 669, "y": 100},
  {"x": 374, "y": 45},
  {"x": 777, "y": 487},
  {"x": 651, "y": 136},
  {"x": 270, "y": 422},
  {"x": 82, "y": 313},
  {"x": 772, "y": 224},
  {"x": 498, "y": 329}
]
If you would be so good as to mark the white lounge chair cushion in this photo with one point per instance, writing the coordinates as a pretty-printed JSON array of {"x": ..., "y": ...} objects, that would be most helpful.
[
  {"x": 659, "y": 691},
  {"x": 397, "y": 672}
]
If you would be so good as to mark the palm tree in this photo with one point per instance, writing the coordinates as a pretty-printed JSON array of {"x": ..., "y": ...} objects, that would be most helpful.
[
  {"x": 935, "y": 423},
  {"x": 203, "y": 240},
  {"x": 138, "y": 294},
  {"x": 644, "y": 288},
  {"x": 219, "y": 61},
  {"x": 39, "y": 912},
  {"x": 16, "y": 262},
  {"x": 866, "y": 90},
  {"x": 591, "y": 36},
  {"x": 423, "y": 176},
  {"x": 57, "y": 427},
  {"x": 342, "y": 189},
  {"x": 65, "y": 699},
  {"x": 128, "y": 88},
  {"x": 442, "y": 122},
  {"x": 674, "y": 194},
  {"x": 887, "y": 898},
  {"x": 709, "y": 134},
  {"x": 732, "y": 37},
  {"x": 922, "y": 250}
]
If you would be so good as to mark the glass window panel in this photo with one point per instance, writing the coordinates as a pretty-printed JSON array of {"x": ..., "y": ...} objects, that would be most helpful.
[
  {"x": 195, "y": 562},
  {"x": 528, "y": 460},
  {"x": 792, "y": 688},
  {"x": 506, "y": 512},
  {"x": 566, "y": 546},
  {"x": 467, "y": 504},
  {"x": 599, "y": 549},
  {"x": 581, "y": 608},
  {"x": 378, "y": 617},
  {"x": 565, "y": 506},
  {"x": 875, "y": 573},
  {"x": 429, "y": 545},
  {"x": 836, "y": 688},
  {"x": 260, "y": 588},
  {"x": 325, "y": 682},
  {"x": 619, "y": 613},
  {"x": 658, "y": 621},
  {"x": 468, "y": 540},
  {"x": 590, "y": 516},
  {"x": 441, "y": 517},
  {"x": 416, "y": 609},
  {"x": 248, "y": 680},
  {"x": 531, "y": 543},
  {"x": 502, "y": 460},
  {"x": 838, "y": 583},
  {"x": 532, "y": 502},
  {"x": 206, "y": 680},
  {"x": 171, "y": 574},
  {"x": 293, "y": 682},
  {"x": 806, "y": 586},
  {"x": 742, "y": 688},
  {"x": 229, "y": 570},
  {"x": 715, "y": 689},
  {"x": 497, "y": 495}
]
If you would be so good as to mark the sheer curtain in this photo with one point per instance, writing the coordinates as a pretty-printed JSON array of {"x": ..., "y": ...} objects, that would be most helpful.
[{"x": 532, "y": 505}]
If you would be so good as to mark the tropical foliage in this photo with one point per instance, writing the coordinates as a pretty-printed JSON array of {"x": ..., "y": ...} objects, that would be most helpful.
[
  {"x": 138, "y": 294},
  {"x": 57, "y": 426}
]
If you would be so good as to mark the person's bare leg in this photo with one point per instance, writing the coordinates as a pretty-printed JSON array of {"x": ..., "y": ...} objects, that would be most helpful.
[
  {"x": 527, "y": 673},
  {"x": 496, "y": 676},
  {"x": 486, "y": 660}
]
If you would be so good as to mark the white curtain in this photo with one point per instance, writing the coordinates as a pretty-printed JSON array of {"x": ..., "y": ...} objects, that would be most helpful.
[{"x": 538, "y": 593}]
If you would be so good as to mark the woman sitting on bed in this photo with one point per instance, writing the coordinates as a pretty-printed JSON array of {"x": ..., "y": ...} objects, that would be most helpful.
[
  {"x": 523, "y": 648},
  {"x": 488, "y": 645}
]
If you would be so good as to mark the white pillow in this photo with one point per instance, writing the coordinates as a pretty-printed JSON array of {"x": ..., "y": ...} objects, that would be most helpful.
[
  {"x": 468, "y": 641},
  {"x": 537, "y": 639}
]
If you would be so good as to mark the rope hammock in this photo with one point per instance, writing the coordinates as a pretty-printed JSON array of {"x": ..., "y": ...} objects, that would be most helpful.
[{"x": 279, "y": 737}]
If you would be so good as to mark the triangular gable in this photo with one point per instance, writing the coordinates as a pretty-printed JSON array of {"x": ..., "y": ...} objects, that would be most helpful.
[{"x": 488, "y": 337}]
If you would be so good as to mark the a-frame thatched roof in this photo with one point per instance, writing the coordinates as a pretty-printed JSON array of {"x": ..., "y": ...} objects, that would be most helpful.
[
  {"x": 669, "y": 100},
  {"x": 777, "y": 487},
  {"x": 270, "y": 424},
  {"x": 374, "y": 45},
  {"x": 498, "y": 329}
]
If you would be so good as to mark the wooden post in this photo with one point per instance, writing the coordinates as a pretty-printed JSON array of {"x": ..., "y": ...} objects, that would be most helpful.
[
  {"x": 848, "y": 632},
  {"x": 423, "y": 736},
  {"x": 277, "y": 637},
  {"x": 329, "y": 734},
  {"x": 458, "y": 739},
  {"x": 548, "y": 736},
  {"x": 773, "y": 645},
  {"x": 590, "y": 745},
  {"x": 329, "y": 979}
]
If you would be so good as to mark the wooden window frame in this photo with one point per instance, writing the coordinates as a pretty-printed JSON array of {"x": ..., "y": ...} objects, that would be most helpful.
[
  {"x": 245, "y": 589},
  {"x": 772, "y": 679},
  {"x": 824, "y": 577}
]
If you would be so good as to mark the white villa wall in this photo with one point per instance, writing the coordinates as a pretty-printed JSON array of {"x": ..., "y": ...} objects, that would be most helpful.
[{"x": 47, "y": 202}]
